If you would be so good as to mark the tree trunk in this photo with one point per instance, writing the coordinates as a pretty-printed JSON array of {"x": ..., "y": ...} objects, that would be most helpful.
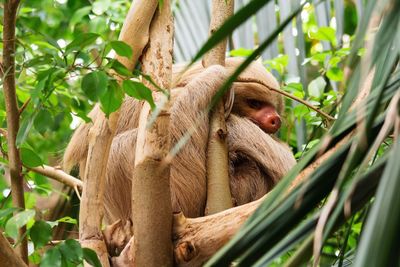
[
  {"x": 135, "y": 32},
  {"x": 218, "y": 190},
  {"x": 151, "y": 196},
  {"x": 12, "y": 111}
]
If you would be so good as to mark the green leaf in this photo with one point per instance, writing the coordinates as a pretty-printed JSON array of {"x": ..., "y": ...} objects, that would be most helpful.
[
  {"x": 37, "y": 61},
  {"x": 380, "y": 233},
  {"x": 120, "y": 69},
  {"x": 79, "y": 15},
  {"x": 101, "y": 6},
  {"x": 335, "y": 74},
  {"x": 91, "y": 257},
  {"x": 240, "y": 52},
  {"x": 81, "y": 41},
  {"x": 320, "y": 57},
  {"x": 16, "y": 222},
  {"x": 7, "y": 212},
  {"x": 316, "y": 87},
  {"x": 334, "y": 61},
  {"x": 94, "y": 84},
  {"x": 139, "y": 91},
  {"x": 52, "y": 258},
  {"x": 30, "y": 158},
  {"x": 122, "y": 49},
  {"x": 43, "y": 121},
  {"x": 25, "y": 128},
  {"x": 67, "y": 219},
  {"x": 295, "y": 88},
  {"x": 112, "y": 99},
  {"x": 324, "y": 34},
  {"x": 40, "y": 234},
  {"x": 71, "y": 250},
  {"x": 34, "y": 258}
]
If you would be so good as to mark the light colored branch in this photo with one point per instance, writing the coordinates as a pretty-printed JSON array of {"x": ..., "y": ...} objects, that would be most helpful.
[
  {"x": 218, "y": 189},
  {"x": 196, "y": 240},
  {"x": 151, "y": 196},
  {"x": 53, "y": 172},
  {"x": 58, "y": 175},
  {"x": 7, "y": 255},
  {"x": 135, "y": 32},
  {"x": 12, "y": 112}
]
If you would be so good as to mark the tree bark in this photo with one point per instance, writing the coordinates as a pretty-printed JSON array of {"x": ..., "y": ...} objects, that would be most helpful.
[
  {"x": 218, "y": 190},
  {"x": 12, "y": 111},
  {"x": 151, "y": 196},
  {"x": 135, "y": 32},
  {"x": 7, "y": 255}
]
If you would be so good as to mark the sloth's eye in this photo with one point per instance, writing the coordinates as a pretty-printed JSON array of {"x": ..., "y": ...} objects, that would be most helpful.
[{"x": 254, "y": 104}]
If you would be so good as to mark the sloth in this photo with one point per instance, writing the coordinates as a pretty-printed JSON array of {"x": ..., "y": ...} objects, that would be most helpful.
[{"x": 257, "y": 159}]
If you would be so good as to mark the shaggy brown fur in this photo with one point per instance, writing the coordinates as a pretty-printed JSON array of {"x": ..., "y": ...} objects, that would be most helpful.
[{"x": 257, "y": 160}]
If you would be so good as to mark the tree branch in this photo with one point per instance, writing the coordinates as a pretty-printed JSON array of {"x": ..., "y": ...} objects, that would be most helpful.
[
  {"x": 218, "y": 189},
  {"x": 58, "y": 175},
  {"x": 12, "y": 111},
  {"x": 135, "y": 32},
  {"x": 151, "y": 195},
  {"x": 7, "y": 255}
]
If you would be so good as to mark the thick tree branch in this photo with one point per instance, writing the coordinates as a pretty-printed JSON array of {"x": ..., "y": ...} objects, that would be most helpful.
[
  {"x": 218, "y": 190},
  {"x": 12, "y": 111},
  {"x": 151, "y": 196},
  {"x": 7, "y": 255},
  {"x": 135, "y": 32}
]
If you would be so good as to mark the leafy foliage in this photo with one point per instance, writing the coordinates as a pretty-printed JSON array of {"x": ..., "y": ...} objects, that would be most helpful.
[{"x": 348, "y": 205}]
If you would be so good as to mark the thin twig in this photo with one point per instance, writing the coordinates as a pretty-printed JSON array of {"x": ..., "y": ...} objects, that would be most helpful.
[{"x": 24, "y": 106}]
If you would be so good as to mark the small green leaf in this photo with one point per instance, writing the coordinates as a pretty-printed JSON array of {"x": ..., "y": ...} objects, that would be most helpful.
[
  {"x": 300, "y": 111},
  {"x": 320, "y": 57},
  {"x": 25, "y": 128},
  {"x": 79, "y": 15},
  {"x": 112, "y": 99},
  {"x": 81, "y": 41},
  {"x": 40, "y": 60},
  {"x": 43, "y": 121},
  {"x": 120, "y": 69},
  {"x": 139, "y": 91},
  {"x": 240, "y": 52},
  {"x": 334, "y": 61},
  {"x": 67, "y": 219},
  {"x": 34, "y": 258},
  {"x": 94, "y": 84},
  {"x": 91, "y": 257},
  {"x": 40, "y": 234},
  {"x": 30, "y": 158},
  {"x": 52, "y": 258},
  {"x": 101, "y": 6},
  {"x": 6, "y": 212},
  {"x": 324, "y": 34},
  {"x": 335, "y": 74},
  {"x": 122, "y": 49},
  {"x": 71, "y": 250},
  {"x": 316, "y": 87},
  {"x": 16, "y": 222},
  {"x": 293, "y": 87}
]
